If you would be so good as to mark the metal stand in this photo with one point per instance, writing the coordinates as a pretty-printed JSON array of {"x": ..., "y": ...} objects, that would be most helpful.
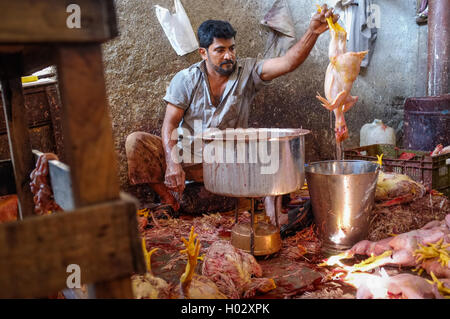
[{"x": 277, "y": 204}]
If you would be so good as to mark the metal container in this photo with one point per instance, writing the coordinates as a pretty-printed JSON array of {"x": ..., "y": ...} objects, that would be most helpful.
[
  {"x": 267, "y": 238},
  {"x": 426, "y": 122},
  {"x": 342, "y": 196},
  {"x": 254, "y": 162}
]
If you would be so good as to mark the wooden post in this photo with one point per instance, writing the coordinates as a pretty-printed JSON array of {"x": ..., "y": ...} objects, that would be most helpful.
[
  {"x": 17, "y": 127},
  {"x": 87, "y": 133}
]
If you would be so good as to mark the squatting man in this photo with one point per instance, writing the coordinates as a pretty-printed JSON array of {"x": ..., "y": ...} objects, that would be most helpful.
[{"x": 216, "y": 92}]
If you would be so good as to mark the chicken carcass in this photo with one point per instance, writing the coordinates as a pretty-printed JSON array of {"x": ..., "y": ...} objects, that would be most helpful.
[
  {"x": 232, "y": 270},
  {"x": 40, "y": 186},
  {"x": 397, "y": 189},
  {"x": 193, "y": 286},
  {"x": 148, "y": 286},
  {"x": 405, "y": 286},
  {"x": 427, "y": 247},
  {"x": 341, "y": 73},
  {"x": 440, "y": 150}
]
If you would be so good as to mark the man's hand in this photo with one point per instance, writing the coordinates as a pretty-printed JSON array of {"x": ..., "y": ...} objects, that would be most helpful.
[
  {"x": 175, "y": 177},
  {"x": 318, "y": 22}
]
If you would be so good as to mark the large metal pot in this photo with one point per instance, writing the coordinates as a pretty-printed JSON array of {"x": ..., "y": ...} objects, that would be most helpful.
[{"x": 254, "y": 162}]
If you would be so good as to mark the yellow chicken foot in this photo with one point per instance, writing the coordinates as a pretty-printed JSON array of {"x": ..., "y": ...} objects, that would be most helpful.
[
  {"x": 192, "y": 251},
  {"x": 147, "y": 255},
  {"x": 444, "y": 291},
  {"x": 437, "y": 250},
  {"x": 373, "y": 262}
]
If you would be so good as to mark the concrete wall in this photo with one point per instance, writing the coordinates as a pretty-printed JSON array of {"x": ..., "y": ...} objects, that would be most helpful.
[{"x": 140, "y": 63}]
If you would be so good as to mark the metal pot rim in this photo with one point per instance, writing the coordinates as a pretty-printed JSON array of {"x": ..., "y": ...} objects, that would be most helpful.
[
  {"x": 308, "y": 167},
  {"x": 289, "y": 133}
]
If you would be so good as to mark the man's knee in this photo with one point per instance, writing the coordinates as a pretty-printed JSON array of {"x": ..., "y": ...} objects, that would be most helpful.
[{"x": 137, "y": 140}]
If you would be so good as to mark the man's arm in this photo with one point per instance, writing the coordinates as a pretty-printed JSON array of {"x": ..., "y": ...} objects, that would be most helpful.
[
  {"x": 174, "y": 177},
  {"x": 273, "y": 68}
]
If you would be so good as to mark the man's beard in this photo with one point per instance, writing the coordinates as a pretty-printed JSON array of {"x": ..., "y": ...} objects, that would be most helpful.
[{"x": 225, "y": 71}]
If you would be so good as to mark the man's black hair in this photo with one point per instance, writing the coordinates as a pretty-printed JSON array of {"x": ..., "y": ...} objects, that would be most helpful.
[{"x": 211, "y": 29}]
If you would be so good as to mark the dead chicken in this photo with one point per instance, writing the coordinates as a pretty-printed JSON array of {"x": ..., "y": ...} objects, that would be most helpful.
[
  {"x": 427, "y": 247},
  {"x": 193, "y": 286},
  {"x": 393, "y": 189},
  {"x": 341, "y": 73},
  {"x": 381, "y": 286},
  {"x": 440, "y": 150},
  {"x": 233, "y": 269},
  {"x": 148, "y": 286},
  {"x": 40, "y": 186}
]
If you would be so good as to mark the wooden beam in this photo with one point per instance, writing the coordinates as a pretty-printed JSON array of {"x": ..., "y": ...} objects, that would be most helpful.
[
  {"x": 86, "y": 124},
  {"x": 87, "y": 134},
  {"x": 31, "y": 21},
  {"x": 102, "y": 239},
  {"x": 17, "y": 127}
]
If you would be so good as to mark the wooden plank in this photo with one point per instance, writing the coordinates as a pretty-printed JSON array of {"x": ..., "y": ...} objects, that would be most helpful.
[
  {"x": 102, "y": 239},
  {"x": 31, "y": 21},
  {"x": 86, "y": 124},
  {"x": 18, "y": 135},
  {"x": 55, "y": 112},
  {"x": 87, "y": 133},
  {"x": 7, "y": 185}
]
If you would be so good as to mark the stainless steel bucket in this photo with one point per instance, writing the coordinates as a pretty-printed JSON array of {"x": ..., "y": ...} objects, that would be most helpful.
[
  {"x": 254, "y": 162},
  {"x": 342, "y": 197}
]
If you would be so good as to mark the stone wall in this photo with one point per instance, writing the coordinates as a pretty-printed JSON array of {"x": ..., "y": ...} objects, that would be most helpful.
[{"x": 140, "y": 63}]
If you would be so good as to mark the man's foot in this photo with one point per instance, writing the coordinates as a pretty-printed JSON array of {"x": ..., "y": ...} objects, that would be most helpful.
[{"x": 165, "y": 196}]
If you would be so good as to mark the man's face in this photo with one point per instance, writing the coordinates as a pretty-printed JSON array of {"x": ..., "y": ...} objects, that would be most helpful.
[{"x": 220, "y": 56}]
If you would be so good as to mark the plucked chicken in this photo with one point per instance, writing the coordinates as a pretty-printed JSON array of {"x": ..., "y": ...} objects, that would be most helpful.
[
  {"x": 440, "y": 150},
  {"x": 341, "y": 73},
  {"x": 426, "y": 248},
  {"x": 382, "y": 286},
  {"x": 232, "y": 270}
]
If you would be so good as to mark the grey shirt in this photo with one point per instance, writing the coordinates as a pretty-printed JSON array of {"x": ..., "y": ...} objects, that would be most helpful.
[{"x": 189, "y": 90}]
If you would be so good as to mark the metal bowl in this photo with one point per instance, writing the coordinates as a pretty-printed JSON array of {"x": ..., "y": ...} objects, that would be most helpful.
[
  {"x": 267, "y": 238},
  {"x": 254, "y": 162}
]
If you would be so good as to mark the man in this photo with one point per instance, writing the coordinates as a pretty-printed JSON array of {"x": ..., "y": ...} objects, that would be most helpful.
[{"x": 216, "y": 92}]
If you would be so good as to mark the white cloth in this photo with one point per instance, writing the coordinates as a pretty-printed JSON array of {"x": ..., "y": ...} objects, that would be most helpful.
[
  {"x": 360, "y": 37},
  {"x": 282, "y": 35}
]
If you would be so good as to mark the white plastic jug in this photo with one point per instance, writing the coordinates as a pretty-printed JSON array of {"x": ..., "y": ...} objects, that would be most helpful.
[{"x": 376, "y": 133}]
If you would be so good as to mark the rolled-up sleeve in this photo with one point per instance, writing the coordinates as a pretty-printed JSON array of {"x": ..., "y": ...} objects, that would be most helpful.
[
  {"x": 179, "y": 91},
  {"x": 256, "y": 74}
]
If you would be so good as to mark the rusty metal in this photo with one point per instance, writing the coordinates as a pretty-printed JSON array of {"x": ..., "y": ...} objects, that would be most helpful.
[
  {"x": 426, "y": 122},
  {"x": 438, "y": 47}
]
